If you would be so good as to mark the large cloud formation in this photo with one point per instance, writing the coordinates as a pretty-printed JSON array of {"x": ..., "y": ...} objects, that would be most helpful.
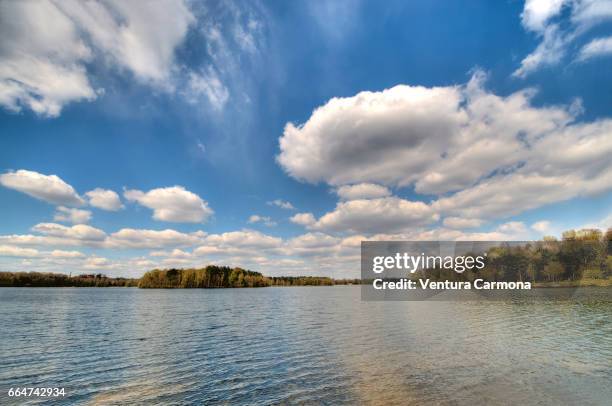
[{"x": 484, "y": 155}]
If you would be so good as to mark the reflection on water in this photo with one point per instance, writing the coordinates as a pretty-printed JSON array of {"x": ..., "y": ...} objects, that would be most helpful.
[{"x": 302, "y": 345}]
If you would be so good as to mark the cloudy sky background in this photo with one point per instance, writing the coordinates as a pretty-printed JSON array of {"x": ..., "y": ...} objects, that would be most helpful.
[{"x": 276, "y": 136}]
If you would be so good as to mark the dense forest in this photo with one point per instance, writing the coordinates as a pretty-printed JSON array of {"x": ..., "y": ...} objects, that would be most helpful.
[{"x": 39, "y": 279}]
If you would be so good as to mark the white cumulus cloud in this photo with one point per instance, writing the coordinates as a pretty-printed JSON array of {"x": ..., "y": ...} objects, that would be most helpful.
[
  {"x": 104, "y": 199},
  {"x": 243, "y": 239},
  {"x": 81, "y": 232},
  {"x": 303, "y": 219},
  {"x": 12, "y": 251},
  {"x": 66, "y": 254},
  {"x": 142, "y": 238},
  {"x": 174, "y": 204},
  {"x": 388, "y": 214},
  {"x": 537, "y": 13},
  {"x": 71, "y": 215},
  {"x": 49, "y": 188}
]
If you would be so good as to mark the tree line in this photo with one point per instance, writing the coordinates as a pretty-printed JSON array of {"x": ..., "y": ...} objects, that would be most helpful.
[
  {"x": 208, "y": 277},
  {"x": 580, "y": 254},
  {"x": 45, "y": 279},
  {"x": 310, "y": 281}
]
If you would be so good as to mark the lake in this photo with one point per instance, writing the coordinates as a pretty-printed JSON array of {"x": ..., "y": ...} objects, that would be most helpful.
[{"x": 304, "y": 345}]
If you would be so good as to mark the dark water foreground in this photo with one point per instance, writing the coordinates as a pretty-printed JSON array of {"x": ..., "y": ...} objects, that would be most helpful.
[{"x": 302, "y": 345}]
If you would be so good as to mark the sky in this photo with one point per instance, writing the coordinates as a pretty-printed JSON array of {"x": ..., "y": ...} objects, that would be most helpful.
[{"x": 276, "y": 136}]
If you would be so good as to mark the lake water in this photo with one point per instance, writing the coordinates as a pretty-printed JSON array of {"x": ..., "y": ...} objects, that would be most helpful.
[{"x": 301, "y": 345}]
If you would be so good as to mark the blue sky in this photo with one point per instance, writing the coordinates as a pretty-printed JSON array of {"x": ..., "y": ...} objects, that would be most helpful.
[{"x": 195, "y": 123}]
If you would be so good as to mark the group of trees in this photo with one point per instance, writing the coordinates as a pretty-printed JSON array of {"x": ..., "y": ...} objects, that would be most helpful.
[
  {"x": 40, "y": 279},
  {"x": 209, "y": 277},
  {"x": 225, "y": 277},
  {"x": 579, "y": 254}
]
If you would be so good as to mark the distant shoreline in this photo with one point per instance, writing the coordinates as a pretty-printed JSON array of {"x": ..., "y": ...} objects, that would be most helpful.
[
  {"x": 545, "y": 285},
  {"x": 211, "y": 277},
  {"x": 214, "y": 277},
  {"x": 136, "y": 287}
]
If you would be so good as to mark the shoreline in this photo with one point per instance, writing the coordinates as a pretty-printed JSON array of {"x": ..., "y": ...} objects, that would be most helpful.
[
  {"x": 220, "y": 278},
  {"x": 591, "y": 283},
  {"x": 180, "y": 288}
]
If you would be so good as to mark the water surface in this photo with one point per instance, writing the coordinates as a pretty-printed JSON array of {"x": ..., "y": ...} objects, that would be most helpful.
[{"x": 302, "y": 345}]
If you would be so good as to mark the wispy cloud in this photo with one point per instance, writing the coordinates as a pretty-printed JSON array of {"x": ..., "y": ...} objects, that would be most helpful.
[
  {"x": 596, "y": 48},
  {"x": 255, "y": 218},
  {"x": 283, "y": 204},
  {"x": 558, "y": 30}
]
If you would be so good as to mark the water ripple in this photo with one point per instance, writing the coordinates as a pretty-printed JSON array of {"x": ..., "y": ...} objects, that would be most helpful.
[{"x": 300, "y": 346}]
